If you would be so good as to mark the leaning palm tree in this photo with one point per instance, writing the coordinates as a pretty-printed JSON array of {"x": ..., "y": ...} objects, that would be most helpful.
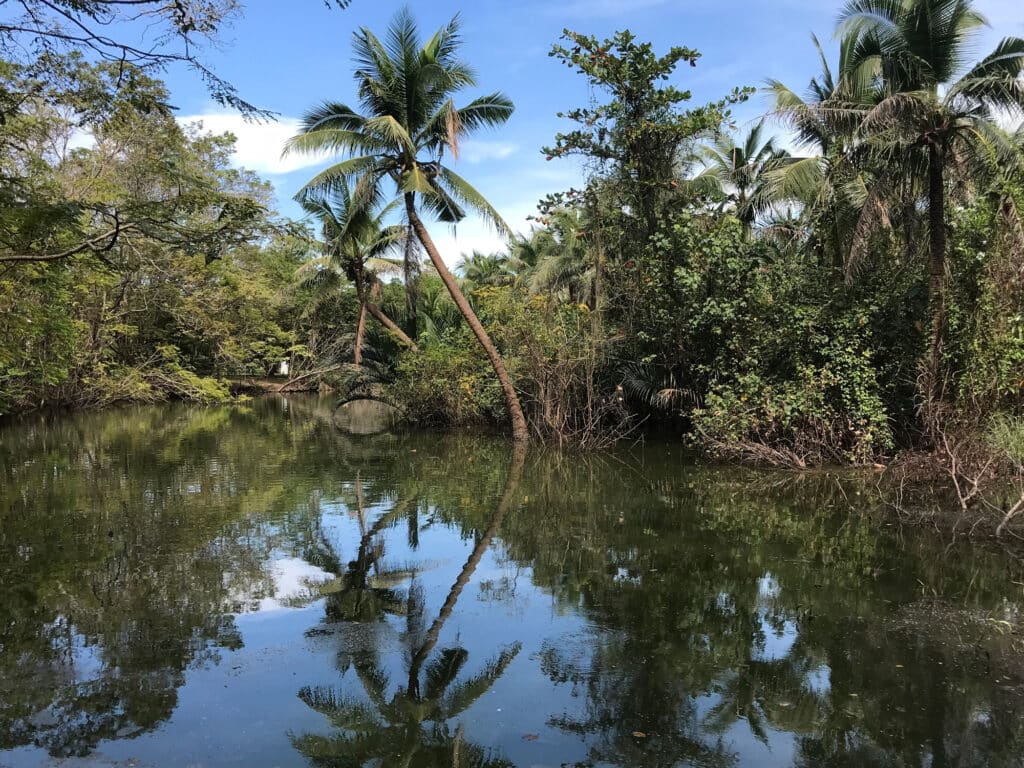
[
  {"x": 411, "y": 727},
  {"x": 926, "y": 125},
  {"x": 357, "y": 244},
  {"x": 410, "y": 122}
]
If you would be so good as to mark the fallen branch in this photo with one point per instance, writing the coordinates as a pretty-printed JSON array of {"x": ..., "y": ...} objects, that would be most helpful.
[{"x": 318, "y": 372}]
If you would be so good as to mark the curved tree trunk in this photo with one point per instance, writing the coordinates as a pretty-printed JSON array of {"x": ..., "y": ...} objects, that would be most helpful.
[
  {"x": 388, "y": 323},
  {"x": 519, "y": 431},
  {"x": 936, "y": 272}
]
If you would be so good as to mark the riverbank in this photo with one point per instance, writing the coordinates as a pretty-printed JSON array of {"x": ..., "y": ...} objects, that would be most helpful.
[{"x": 965, "y": 490}]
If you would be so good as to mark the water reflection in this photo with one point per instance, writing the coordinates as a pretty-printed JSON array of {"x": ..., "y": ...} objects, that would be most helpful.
[
  {"x": 412, "y": 725},
  {"x": 439, "y": 602}
]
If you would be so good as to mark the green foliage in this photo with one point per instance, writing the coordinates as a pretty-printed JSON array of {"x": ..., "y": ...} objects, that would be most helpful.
[
  {"x": 448, "y": 382},
  {"x": 1006, "y": 435},
  {"x": 548, "y": 346},
  {"x": 805, "y": 335},
  {"x": 641, "y": 129},
  {"x": 985, "y": 352},
  {"x": 145, "y": 241},
  {"x": 789, "y": 309}
]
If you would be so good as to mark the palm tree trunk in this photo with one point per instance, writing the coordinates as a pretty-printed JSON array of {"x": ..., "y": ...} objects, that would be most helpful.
[
  {"x": 410, "y": 275},
  {"x": 357, "y": 354},
  {"x": 515, "y": 474},
  {"x": 936, "y": 271},
  {"x": 519, "y": 431},
  {"x": 387, "y": 322}
]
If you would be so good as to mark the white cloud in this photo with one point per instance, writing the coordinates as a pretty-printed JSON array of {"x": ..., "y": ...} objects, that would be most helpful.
[
  {"x": 259, "y": 145},
  {"x": 81, "y": 138},
  {"x": 475, "y": 151}
]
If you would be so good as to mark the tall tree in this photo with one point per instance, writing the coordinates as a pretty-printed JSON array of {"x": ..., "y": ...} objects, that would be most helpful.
[
  {"x": 840, "y": 205},
  {"x": 637, "y": 138},
  {"x": 931, "y": 122},
  {"x": 410, "y": 122}
]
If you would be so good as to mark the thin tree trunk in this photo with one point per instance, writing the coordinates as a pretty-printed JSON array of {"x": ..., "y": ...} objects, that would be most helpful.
[
  {"x": 357, "y": 354},
  {"x": 519, "y": 431},
  {"x": 411, "y": 276},
  {"x": 936, "y": 272},
  {"x": 386, "y": 321},
  {"x": 433, "y": 634}
]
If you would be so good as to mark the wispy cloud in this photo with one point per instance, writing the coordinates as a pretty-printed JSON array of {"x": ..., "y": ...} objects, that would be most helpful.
[
  {"x": 258, "y": 146},
  {"x": 476, "y": 151}
]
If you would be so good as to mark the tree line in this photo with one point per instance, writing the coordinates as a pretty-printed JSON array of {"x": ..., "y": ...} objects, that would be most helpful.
[{"x": 842, "y": 289}]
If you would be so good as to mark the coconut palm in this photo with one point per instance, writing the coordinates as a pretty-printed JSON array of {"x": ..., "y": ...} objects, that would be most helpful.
[
  {"x": 411, "y": 726},
  {"x": 479, "y": 269},
  {"x": 409, "y": 123},
  {"x": 357, "y": 246},
  {"x": 927, "y": 124},
  {"x": 839, "y": 202},
  {"x": 737, "y": 167},
  {"x": 558, "y": 258},
  {"x": 437, "y": 311},
  {"x": 827, "y": 116},
  {"x": 404, "y": 729}
]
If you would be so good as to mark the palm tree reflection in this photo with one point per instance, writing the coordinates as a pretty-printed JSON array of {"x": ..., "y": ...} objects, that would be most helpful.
[{"x": 414, "y": 725}]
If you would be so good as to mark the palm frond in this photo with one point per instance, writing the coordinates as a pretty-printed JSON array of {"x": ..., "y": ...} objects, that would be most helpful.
[
  {"x": 464, "y": 192},
  {"x": 463, "y": 696}
]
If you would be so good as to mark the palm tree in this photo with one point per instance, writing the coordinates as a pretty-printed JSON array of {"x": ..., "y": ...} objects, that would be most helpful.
[
  {"x": 485, "y": 269},
  {"x": 558, "y": 257},
  {"x": 437, "y": 311},
  {"x": 823, "y": 119},
  {"x": 406, "y": 90},
  {"x": 926, "y": 124},
  {"x": 737, "y": 167},
  {"x": 839, "y": 202},
  {"x": 356, "y": 246},
  {"x": 411, "y": 727}
]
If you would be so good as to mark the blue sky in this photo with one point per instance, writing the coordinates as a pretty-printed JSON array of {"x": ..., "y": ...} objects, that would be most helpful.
[{"x": 288, "y": 56}]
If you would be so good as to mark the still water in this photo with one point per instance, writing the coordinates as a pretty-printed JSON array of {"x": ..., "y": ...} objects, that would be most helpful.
[{"x": 252, "y": 586}]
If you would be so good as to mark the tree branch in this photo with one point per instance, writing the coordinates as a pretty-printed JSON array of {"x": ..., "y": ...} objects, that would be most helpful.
[{"x": 99, "y": 244}]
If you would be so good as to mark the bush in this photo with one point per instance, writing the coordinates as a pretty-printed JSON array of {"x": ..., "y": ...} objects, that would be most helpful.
[{"x": 448, "y": 382}]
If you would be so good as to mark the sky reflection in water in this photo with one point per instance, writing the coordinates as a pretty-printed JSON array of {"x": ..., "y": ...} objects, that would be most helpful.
[{"x": 251, "y": 586}]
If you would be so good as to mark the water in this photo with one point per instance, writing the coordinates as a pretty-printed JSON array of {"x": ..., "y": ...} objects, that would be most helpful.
[{"x": 251, "y": 586}]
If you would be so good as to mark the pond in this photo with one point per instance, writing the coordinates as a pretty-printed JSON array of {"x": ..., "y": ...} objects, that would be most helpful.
[{"x": 253, "y": 586}]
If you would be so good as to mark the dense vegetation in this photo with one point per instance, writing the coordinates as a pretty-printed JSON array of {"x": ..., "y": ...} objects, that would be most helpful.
[{"x": 859, "y": 295}]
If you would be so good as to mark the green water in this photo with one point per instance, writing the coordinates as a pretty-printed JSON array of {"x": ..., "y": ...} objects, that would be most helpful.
[{"x": 251, "y": 586}]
